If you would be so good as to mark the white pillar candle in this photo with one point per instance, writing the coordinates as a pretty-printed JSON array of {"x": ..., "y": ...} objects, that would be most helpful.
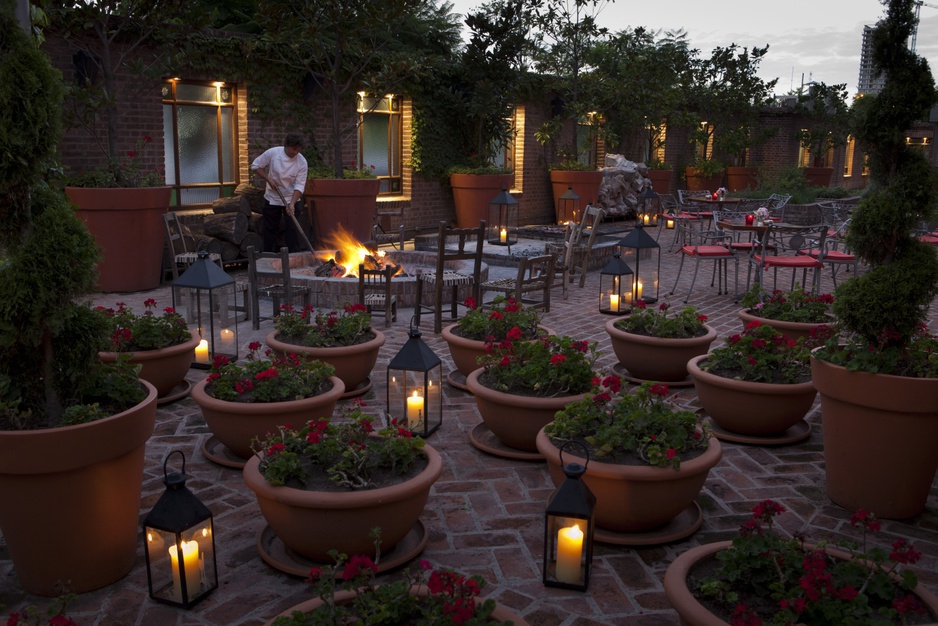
[
  {"x": 569, "y": 553},
  {"x": 201, "y": 352},
  {"x": 614, "y": 302},
  {"x": 190, "y": 560},
  {"x": 503, "y": 235},
  {"x": 227, "y": 341},
  {"x": 414, "y": 410}
]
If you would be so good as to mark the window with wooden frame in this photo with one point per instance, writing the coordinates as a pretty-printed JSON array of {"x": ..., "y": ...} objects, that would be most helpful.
[{"x": 380, "y": 134}]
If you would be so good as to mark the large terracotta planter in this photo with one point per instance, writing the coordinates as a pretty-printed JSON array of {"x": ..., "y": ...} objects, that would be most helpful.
[
  {"x": 500, "y": 614},
  {"x": 72, "y": 499},
  {"x": 660, "y": 180},
  {"x": 472, "y": 194},
  {"x": 236, "y": 424},
  {"x": 127, "y": 224},
  {"x": 312, "y": 523},
  {"x": 818, "y": 176},
  {"x": 880, "y": 439},
  {"x": 585, "y": 184},
  {"x": 636, "y": 498},
  {"x": 349, "y": 203},
  {"x": 654, "y": 358},
  {"x": 466, "y": 352},
  {"x": 353, "y": 364},
  {"x": 515, "y": 420},
  {"x": 697, "y": 181},
  {"x": 164, "y": 368},
  {"x": 747, "y": 408},
  {"x": 793, "y": 330},
  {"x": 741, "y": 178},
  {"x": 693, "y": 613}
]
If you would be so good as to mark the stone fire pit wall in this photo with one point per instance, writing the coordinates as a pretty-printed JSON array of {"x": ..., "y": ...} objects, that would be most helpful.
[{"x": 335, "y": 292}]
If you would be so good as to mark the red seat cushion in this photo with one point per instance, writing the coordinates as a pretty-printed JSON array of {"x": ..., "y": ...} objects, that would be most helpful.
[
  {"x": 800, "y": 261},
  {"x": 706, "y": 251}
]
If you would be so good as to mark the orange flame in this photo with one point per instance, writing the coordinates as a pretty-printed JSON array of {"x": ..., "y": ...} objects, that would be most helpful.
[{"x": 349, "y": 252}]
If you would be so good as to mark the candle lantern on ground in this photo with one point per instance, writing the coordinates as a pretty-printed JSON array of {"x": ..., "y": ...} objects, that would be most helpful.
[
  {"x": 615, "y": 287},
  {"x": 415, "y": 390},
  {"x": 643, "y": 254},
  {"x": 179, "y": 543},
  {"x": 503, "y": 220},
  {"x": 569, "y": 205},
  {"x": 568, "y": 530},
  {"x": 205, "y": 297},
  {"x": 650, "y": 207}
]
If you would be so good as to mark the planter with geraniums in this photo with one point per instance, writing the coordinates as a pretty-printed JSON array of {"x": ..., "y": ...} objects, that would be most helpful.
[{"x": 794, "y": 313}]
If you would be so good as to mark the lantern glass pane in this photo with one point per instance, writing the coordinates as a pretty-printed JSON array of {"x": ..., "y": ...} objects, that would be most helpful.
[
  {"x": 566, "y": 550},
  {"x": 211, "y": 315}
]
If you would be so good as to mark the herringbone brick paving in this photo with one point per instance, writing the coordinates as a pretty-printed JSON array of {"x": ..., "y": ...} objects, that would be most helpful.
[{"x": 485, "y": 514}]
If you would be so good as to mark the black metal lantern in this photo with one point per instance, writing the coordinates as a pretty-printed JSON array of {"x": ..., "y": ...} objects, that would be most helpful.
[
  {"x": 415, "y": 390},
  {"x": 179, "y": 524},
  {"x": 642, "y": 253},
  {"x": 651, "y": 206},
  {"x": 568, "y": 529},
  {"x": 204, "y": 295},
  {"x": 615, "y": 287},
  {"x": 569, "y": 204},
  {"x": 503, "y": 219}
]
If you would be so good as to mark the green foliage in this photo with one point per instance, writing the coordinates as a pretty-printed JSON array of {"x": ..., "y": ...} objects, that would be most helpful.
[
  {"x": 761, "y": 354},
  {"x": 350, "y": 453},
  {"x": 123, "y": 172},
  {"x": 54, "y": 614},
  {"x": 130, "y": 332},
  {"x": 325, "y": 330},
  {"x": 788, "y": 306},
  {"x": 618, "y": 426},
  {"x": 505, "y": 318},
  {"x": 825, "y": 107},
  {"x": 549, "y": 367},
  {"x": 687, "y": 322},
  {"x": 281, "y": 379}
]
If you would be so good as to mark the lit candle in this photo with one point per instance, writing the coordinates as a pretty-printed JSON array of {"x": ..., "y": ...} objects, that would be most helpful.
[
  {"x": 569, "y": 553},
  {"x": 646, "y": 219},
  {"x": 749, "y": 219},
  {"x": 503, "y": 235},
  {"x": 227, "y": 340},
  {"x": 614, "y": 302},
  {"x": 628, "y": 298},
  {"x": 714, "y": 196},
  {"x": 190, "y": 559},
  {"x": 414, "y": 410},
  {"x": 201, "y": 352},
  {"x": 638, "y": 291},
  {"x": 669, "y": 223}
]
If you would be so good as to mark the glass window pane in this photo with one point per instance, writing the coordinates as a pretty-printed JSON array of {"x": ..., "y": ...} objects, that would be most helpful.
[
  {"x": 369, "y": 104},
  {"x": 375, "y": 143},
  {"x": 169, "y": 145},
  {"x": 227, "y": 141},
  {"x": 198, "y": 144},
  {"x": 200, "y": 195},
  {"x": 196, "y": 93}
]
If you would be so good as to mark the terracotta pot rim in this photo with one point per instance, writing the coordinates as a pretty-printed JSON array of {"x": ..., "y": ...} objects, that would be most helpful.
[
  {"x": 152, "y": 355},
  {"x": 203, "y": 399},
  {"x": 719, "y": 381},
  {"x": 709, "y": 337},
  {"x": 343, "y": 499},
  {"x": 862, "y": 389},
  {"x": 509, "y": 399},
  {"x": 743, "y": 314},
  {"x": 451, "y": 337},
  {"x": 496, "y": 180},
  {"x": 282, "y": 346},
  {"x": 700, "y": 464}
]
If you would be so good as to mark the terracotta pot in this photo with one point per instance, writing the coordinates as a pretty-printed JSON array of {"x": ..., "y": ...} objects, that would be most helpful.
[
  {"x": 636, "y": 498},
  {"x": 661, "y": 180},
  {"x": 349, "y": 203},
  {"x": 880, "y": 439},
  {"x": 515, "y": 420},
  {"x": 164, "y": 368},
  {"x": 72, "y": 499},
  {"x": 236, "y": 424},
  {"x": 500, "y": 614},
  {"x": 693, "y": 613},
  {"x": 472, "y": 194},
  {"x": 654, "y": 358},
  {"x": 585, "y": 184},
  {"x": 466, "y": 352},
  {"x": 793, "y": 330},
  {"x": 748, "y": 408},
  {"x": 741, "y": 178},
  {"x": 818, "y": 176},
  {"x": 696, "y": 181},
  {"x": 127, "y": 223},
  {"x": 343, "y": 520},
  {"x": 353, "y": 364}
]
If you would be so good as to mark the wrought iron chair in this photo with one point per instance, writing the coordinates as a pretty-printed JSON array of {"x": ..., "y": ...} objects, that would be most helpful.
[
  {"x": 783, "y": 247},
  {"x": 705, "y": 245}
]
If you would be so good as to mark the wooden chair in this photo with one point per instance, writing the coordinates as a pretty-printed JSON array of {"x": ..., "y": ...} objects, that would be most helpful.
[
  {"x": 466, "y": 245},
  {"x": 577, "y": 247},
  {"x": 388, "y": 224},
  {"x": 374, "y": 291},
  {"x": 283, "y": 292},
  {"x": 535, "y": 274},
  {"x": 180, "y": 258}
]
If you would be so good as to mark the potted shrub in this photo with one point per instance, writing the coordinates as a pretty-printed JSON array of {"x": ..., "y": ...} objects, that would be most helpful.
[
  {"x": 161, "y": 344},
  {"x": 345, "y": 339},
  {"x": 342, "y": 478},
  {"x": 656, "y": 343},
  {"x": 522, "y": 384},
  {"x": 503, "y": 319},
  {"x": 758, "y": 384},
  {"x": 647, "y": 460},
  {"x": 474, "y": 188},
  {"x": 762, "y": 576},
  {"x": 427, "y": 595},
  {"x": 73, "y": 430},
  {"x": 347, "y": 203},
  {"x": 244, "y": 400},
  {"x": 879, "y": 386},
  {"x": 793, "y": 313}
]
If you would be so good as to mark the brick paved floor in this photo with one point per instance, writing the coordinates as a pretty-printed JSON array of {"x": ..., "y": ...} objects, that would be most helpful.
[{"x": 485, "y": 515}]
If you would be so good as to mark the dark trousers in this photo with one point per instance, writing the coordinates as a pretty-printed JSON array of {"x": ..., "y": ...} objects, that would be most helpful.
[{"x": 273, "y": 215}]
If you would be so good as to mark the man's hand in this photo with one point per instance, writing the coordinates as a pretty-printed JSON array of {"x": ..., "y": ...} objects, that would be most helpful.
[{"x": 290, "y": 208}]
